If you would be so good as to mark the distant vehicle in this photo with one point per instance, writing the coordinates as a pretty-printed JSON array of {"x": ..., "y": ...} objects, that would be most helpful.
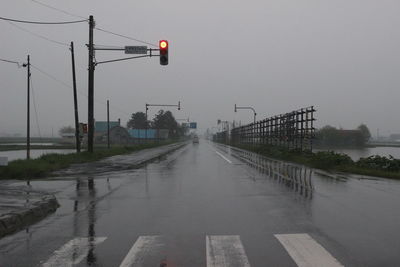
[{"x": 195, "y": 139}]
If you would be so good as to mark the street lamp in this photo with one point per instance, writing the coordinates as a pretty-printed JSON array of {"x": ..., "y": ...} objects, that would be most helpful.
[{"x": 254, "y": 111}]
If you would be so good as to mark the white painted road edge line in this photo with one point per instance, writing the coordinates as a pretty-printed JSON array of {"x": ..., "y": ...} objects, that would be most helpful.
[
  {"x": 225, "y": 251},
  {"x": 225, "y": 158},
  {"x": 72, "y": 252},
  {"x": 142, "y": 248},
  {"x": 306, "y": 252}
]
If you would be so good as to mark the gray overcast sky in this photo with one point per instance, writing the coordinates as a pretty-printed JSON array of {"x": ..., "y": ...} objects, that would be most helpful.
[{"x": 341, "y": 56}]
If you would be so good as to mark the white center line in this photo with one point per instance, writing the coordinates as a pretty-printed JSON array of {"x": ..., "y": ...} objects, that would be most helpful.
[
  {"x": 73, "y": 252},
  {"x": 306, "y": 252},
  {"x": 225, "y": 158},
  {"x": 142, "y": 249},
  {"x": 225, "y": 251}
]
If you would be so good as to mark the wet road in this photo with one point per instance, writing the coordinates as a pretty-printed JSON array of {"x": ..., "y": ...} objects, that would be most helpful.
[{"x": 208, "y": 205}]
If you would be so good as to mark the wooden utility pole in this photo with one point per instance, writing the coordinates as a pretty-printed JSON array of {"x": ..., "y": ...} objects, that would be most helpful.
[
  {"x": 28, "y": 113},
  {"x": 91, "y": 87},
  {"x": 77, "y": 137},
  {"x": 108, "y": 123}
]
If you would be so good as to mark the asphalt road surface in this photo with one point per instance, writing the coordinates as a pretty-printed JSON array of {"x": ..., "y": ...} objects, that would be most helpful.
[{"x": 209, "y": 205}]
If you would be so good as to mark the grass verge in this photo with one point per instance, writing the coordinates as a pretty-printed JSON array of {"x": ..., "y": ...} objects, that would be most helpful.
[
  {"x": 43, "y": 166},
  {"x": 330, "y": 161}
]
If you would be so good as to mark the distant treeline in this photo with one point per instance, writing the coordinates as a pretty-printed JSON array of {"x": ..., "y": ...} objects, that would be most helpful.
[{"x": 333, "y": 137}]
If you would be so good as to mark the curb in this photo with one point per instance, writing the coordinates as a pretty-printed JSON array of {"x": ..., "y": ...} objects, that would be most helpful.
[{"x": 14, "y": 221}]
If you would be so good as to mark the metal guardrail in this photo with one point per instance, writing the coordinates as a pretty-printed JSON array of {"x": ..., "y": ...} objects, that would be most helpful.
[{"x": 296, "y": 177}]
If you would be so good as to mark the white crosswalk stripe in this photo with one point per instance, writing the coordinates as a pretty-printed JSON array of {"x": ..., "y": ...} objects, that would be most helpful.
[
  {"x": 72, "y": 252},
  {"x": 221, "y": 251},
  {"x": 306, "y": 252},
  {"x": 225, "y": 251},
  {"x": 141, "y": 249}
]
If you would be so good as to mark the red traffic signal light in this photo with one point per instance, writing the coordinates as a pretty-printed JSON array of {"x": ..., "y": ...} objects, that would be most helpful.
[{"x": 163, "y": 44}]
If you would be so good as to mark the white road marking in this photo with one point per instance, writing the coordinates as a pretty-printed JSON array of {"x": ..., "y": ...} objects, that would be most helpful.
[
  {"x": 72, "y": 252},
  {"x": 306, "y": 252},
  {"x": 225, "y": 158},
  {"x": 142, "y": 248},
  {"x": 225, "y": 251}
]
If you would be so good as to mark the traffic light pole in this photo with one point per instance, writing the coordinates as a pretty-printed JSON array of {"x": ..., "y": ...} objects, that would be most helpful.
[
  {"x": 77, "y": 138},
  {"x": 91, "y": 67}
]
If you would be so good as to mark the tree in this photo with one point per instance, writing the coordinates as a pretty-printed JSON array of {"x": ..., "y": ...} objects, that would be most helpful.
[
  {"x": 365, "y": 132},
  {"x": 165, "y": 120},
  {"x": 138, "y": 121},
  {"x": 66, "y": 129}
]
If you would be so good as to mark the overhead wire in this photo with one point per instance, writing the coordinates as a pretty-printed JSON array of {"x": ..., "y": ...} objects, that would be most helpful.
[
  {"x": 38, "y": 35},
  {"x": 96, "y": 28},
  {"x": 57, "y": 9},
  {"x": 10, "y": 61},
  {"x": 125, "y": 36},
  {"x": 43, "y": 22},
  {"x": 35, "y": 108},
  {"x": 70, "y": 87}
]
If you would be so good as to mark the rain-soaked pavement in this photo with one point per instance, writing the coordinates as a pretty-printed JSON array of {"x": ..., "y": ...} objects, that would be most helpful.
[{"x": 209, "y": 205}]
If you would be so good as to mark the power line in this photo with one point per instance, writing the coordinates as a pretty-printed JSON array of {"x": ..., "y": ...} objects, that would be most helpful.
[
  {"x": 43, "y": 22},
  {"x": 38, "y": 35},
  {"x": 70, "y": 87},
  {"x": 51, "y": 76},
  {"x": 124, "y": 36},
  {"x": 57, "y": 9},
  {"x": 13, "y": 62},
  {"x": 34, "y": 106},
  {"x": 99, "y": 29}
]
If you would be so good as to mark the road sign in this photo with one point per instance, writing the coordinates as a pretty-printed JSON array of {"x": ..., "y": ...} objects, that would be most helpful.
[
  {"x": 135, "y": 49},
  {"x": 193, "y": 125}
]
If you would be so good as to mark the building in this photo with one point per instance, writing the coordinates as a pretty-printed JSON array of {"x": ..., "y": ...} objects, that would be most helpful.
[
  {"x": 101, "y": 128},
  {"x": 162, "y": 134}
]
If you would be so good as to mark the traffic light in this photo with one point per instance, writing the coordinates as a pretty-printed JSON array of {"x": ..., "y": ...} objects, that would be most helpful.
[{"x": 163, "y": 52}]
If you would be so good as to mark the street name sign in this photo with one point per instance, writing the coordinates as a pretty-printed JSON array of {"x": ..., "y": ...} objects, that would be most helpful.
[{"x": 135, "y": 49}]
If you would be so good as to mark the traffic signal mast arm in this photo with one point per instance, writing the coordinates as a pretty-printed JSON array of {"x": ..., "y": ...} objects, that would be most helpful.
[
  {"x": 163, "y": 49},
  {"x": 127, "y": 58}
]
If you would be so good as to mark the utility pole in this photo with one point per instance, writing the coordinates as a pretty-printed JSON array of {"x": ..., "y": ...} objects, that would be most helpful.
[
  {"x": 108, "y": 123},
  {"x": 91, "y": 86},
  {"x": 77, "y": 138},
  {"x": 28, "y": 114},
  {"x": 147, "y": 126}
]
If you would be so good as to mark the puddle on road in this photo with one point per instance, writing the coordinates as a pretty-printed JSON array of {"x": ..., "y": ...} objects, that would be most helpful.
[{"x": 296, "y": 177}]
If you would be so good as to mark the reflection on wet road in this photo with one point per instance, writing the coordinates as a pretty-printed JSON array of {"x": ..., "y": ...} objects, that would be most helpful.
[{"x": 211, "y": 205}]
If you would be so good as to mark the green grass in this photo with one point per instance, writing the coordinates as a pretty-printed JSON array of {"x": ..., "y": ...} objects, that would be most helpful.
[
  {"x": 43, "y": 166},
  {"x": 33, "y": 146},
  {"x": 330, "y": 161}
]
